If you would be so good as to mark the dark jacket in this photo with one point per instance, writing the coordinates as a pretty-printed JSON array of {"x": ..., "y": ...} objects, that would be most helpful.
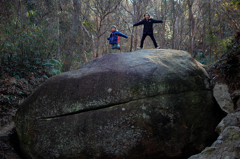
[
  {"x": 148, "y": 25},
  {"x": 114, "y": 37}
]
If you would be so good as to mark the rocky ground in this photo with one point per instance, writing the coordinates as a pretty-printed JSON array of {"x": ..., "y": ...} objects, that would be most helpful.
[
  {"x": 227, "y": 146},
  {"x": 225, "y": 79},
  {"x": 228, "y": 143}
]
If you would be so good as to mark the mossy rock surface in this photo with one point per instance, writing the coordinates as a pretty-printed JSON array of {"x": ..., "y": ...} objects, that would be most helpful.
[{"x": 144, "y": 104}]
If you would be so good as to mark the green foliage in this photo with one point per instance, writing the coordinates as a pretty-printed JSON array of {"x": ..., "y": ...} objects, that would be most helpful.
[
  {"x": 30, "y": 5},
  {"x": 234, "y": 2},
  {"x": 13, "y": 66},
  {"x": 54, "y": 66},
  {"x": 222, "y": 45},
  {"x": 202, "y": 58},
  {"x": 30, "y": 48},
  {"x": 210, "y": 37},
  {"x": 229, "y": 64}
]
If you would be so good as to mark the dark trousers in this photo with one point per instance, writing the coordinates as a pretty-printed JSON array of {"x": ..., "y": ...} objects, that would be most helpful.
[{"x": 151, "y": 36}]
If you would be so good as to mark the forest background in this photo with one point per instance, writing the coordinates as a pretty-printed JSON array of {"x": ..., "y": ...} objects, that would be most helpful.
[{"x": 64, "y": 34}]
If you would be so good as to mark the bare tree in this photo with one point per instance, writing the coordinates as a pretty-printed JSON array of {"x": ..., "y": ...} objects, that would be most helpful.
[{"x": 73, "y": 36}]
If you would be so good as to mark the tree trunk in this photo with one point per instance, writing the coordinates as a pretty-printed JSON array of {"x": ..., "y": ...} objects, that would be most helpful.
[
  {"x": 177, "y": 33},
  {"x": 156, "y": 8},
  {"x": 163, "y": 33},
  {"x": 136, "y": 28},
  {"x": 83, "y": 48},
  {"x": 21, "y": 20},
  {"x": 97, "y": 37},
  {"x": 173, "y": 24},
  {"x": 181, "y": 31},
  {"x": 195, "y": 30},
  {"x": 91, "y": 38},
  {"x": 73, "y": 36},
  {"x": 190, "y": 16},
  {"x": 210, "y": 32},
  {"x": 203, "y": 41},
  {"x": 83, "y": 36},
  {"x": 161, "y": 28},
  {"x": 58, "y": 30}
]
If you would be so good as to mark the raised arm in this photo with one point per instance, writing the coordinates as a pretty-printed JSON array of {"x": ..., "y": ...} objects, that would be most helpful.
[
  {"x": 139, "y": 23},
  {"x": 157, "y": 21},
  {"x": 121, "y": 34},
  {"x": 109, "y": 37}
]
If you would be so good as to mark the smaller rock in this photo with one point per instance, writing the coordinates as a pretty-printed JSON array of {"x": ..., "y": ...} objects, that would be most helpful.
[
  {"x": 223, "y": 98},
  {"x": 110, "y": 90},
  {"x": 219, "y": 141},
  {"x": 236, "y": 93},
  {"x": 232, "y": 119},
  {"x": 220, "y": 138},
  {"x": 238, "y": 104},
  {"x": 228, "y": 149}
]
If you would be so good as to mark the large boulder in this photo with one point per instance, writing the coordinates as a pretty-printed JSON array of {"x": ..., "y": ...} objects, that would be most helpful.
[{"x": 144, "y": 104}]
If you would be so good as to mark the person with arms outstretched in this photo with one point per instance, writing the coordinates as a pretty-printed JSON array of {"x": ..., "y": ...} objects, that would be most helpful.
[
  {"x": 148, "y": 29},
  {"x": 114, "y": 37}
]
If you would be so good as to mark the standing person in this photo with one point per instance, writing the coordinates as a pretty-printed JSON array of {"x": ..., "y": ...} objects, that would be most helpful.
[
  {"x": 114, "y": 37},
  {"x": 148, "y": 29}
]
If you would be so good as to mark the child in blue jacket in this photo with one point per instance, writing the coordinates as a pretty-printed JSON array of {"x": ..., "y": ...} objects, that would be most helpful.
[{"x": 114, "y": 37}]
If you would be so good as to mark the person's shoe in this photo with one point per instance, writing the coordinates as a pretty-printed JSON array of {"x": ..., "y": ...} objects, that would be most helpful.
[
  {"x": 158, "y": 47},
  {"x": 139, "y": 48}
]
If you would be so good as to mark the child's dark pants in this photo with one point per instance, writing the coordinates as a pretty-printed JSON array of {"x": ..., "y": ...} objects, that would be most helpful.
[{"x": 151, "y": 36}]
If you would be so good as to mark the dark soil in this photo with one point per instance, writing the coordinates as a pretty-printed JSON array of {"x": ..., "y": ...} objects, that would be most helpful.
[
  {"x": 9, "y": 146},
  {"x": 14, "y": 89}
]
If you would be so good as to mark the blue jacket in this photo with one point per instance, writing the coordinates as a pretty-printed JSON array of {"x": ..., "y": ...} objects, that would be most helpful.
[
  {"x": 148, "y": 25},
  {"x": 114, "y": 37}
]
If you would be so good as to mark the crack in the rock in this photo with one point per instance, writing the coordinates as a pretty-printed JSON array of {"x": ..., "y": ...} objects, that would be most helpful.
[
  {"x": 87, "y": 110},
  {"x": 110, "y": 105}
]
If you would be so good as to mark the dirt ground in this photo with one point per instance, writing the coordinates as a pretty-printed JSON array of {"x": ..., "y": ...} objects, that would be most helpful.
[{"x": 13, "y": 91}]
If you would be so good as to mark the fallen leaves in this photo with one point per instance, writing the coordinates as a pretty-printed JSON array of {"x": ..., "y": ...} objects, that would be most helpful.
[{"x": 14, "y": 91}]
